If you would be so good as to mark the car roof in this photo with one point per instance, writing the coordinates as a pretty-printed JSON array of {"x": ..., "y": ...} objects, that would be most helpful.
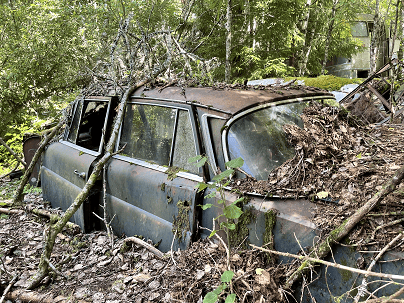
[{"x": 229, "y": 100}]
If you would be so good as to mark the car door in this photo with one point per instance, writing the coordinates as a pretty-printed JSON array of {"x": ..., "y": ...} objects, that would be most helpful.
[
  {"x": 67, "y": 163},
  {"x": 150, "y": 185}
]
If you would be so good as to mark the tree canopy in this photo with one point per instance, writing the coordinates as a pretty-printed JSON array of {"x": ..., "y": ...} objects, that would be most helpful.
[{"x": 48, "y": 46}]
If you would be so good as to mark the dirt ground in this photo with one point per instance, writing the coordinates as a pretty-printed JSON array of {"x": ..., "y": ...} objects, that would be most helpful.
[{"x": 91, "y": 270}]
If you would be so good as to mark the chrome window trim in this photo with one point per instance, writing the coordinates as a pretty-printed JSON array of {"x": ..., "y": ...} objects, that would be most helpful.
[
  {"x": 157, "y": 167},
  {"x": 182, "y": 102},
  {"x": 208, "y": 145},
  {"x": 262, "y": 106},
  {"x": 82, "y": 149}
]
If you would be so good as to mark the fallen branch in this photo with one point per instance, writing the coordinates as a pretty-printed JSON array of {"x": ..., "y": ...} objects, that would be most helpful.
[
  {"x": 12, "y": 152},
  {"x": 151, "y": 248},
  {"x": 34, "y": 297},
  {"x": 321, "y": 249},
  {"x": 13, "y": 280},
  {"x": 53, "y": 217},
  {"x": 10, "y": 172},
  {"x": 10, "y": 211},
  {"x": 386, "y": 225},
  {"x": 18, "y": 195},
  {"x": 320, "y": 261}
]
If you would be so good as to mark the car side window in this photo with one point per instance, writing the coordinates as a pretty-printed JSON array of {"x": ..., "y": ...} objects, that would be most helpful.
[
  {"x": 87, "y": 126},
  {"x": 148, "y": 132},
  {"x": 184, "y": 143},
  {"x": 161, "y": 135}
]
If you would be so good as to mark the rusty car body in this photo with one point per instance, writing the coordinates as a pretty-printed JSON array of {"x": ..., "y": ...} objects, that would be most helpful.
[{"x": 151, "y": 189}]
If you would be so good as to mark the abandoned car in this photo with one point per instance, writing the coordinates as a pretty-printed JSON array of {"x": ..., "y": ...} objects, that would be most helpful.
[{"x": 151, "y": 188}]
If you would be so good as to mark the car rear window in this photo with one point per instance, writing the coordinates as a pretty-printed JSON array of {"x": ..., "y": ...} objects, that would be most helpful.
[{"x": 259, "y": 139}]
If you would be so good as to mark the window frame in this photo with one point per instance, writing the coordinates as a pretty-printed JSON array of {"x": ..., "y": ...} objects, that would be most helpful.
[
  {"x": 67, "y": 132},
  {"x": 232, "y": 120},
  {"x": 189, "y": 175}
]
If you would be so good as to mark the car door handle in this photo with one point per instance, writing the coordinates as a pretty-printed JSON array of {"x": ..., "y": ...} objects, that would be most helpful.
[{"x": 81, "y": 175}]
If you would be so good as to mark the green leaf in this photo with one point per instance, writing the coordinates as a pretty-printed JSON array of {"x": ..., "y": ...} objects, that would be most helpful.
[
  {"x": 239, "y": 200},
  {"x": 212, "y": 233},
  {"x": 220, "y": 201},
  {"x": 3, "y": 203},
  {"x": 232, "y": 212},
  {"x": 359, "y": 156},
  {"x": 227, "y": 225},
  {"x": 201, "y": 186},
  {"x": 322, "y": 194},
  {"x": 259, "y": 271},
  {"x": 230, "y": 298},
  {"x": 211, "y": 195},
  {"x": 206, "y": 206},
  {"x": 210, "y": 297},
  {"x": 195, "y": 159},
  {"x": 201, "y": 163},
  {"x": 235, "y": 163},
  {"x": 227, "y": 276},
  {"x": 223, "y": 175},
  {"x": 219, "y": 289},
  {"x": 3, "y": 216}
]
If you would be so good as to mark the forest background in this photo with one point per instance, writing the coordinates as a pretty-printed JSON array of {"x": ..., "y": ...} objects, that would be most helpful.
[{"x": 49, "y": 47}]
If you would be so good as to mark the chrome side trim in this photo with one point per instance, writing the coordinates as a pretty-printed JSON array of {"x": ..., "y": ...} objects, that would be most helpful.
[
  {"x": 82, "y": 149},
  {"x": 157, "y": 167}
]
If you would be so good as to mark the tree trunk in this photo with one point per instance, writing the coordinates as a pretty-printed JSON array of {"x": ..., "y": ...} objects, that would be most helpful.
[
  {"x": 227, "y": 76},
  {"x": 329, "y": 35},
  {"x": 374, "y": 41},
  {"x": 305, "y": 52}
]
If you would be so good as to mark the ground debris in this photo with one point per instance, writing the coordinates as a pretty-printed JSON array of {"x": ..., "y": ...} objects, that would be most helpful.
[
  {"x": 340, "y": 163},
  {"x": 97, "y": 273}
]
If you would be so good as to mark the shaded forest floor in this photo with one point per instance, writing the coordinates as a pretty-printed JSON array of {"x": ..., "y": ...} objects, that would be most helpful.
[{"x": 89, "y": 270}]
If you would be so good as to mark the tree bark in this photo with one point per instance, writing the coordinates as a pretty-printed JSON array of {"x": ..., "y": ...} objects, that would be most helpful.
[
  {"x": 374, "y": 41},
  {"x": 228, "y": 42},
  {"x": 12, "y": 152},
  {"x": 321, "y": 249},
  {"x": 19, "y": 195},
  {"x": 329, "y": 35},
  {"x": 305, "y": 52}
]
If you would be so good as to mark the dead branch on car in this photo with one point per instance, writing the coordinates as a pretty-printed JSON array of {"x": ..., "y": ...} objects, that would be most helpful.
[
  {"x": 18, "y": 195},
  {"x": 321, "y": 249},
  {"x": 363, "y": 287},
  {"x": 55, "y": 228},
  {"x": 12, "y": 152}
]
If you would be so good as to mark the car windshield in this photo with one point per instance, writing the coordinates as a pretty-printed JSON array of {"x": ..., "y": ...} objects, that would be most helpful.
[{"x": 259, "y": 139}]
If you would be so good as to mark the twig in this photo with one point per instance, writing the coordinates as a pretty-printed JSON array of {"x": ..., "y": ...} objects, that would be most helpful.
[
  {"x": 8, "y": 288},
  {"x": 363, "y": 287},
  {"x": 171, "y": 250},
  {"x": 12, "y": 152},
  {"x": 224, "y": 245},
  {"x": 55, "y": 270},
  {"x": 359, "y": 271},
  {"x": 151, "y": 248},
  {"x": 10, "y": 172},
  {"x": 386, "y": 225}
]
